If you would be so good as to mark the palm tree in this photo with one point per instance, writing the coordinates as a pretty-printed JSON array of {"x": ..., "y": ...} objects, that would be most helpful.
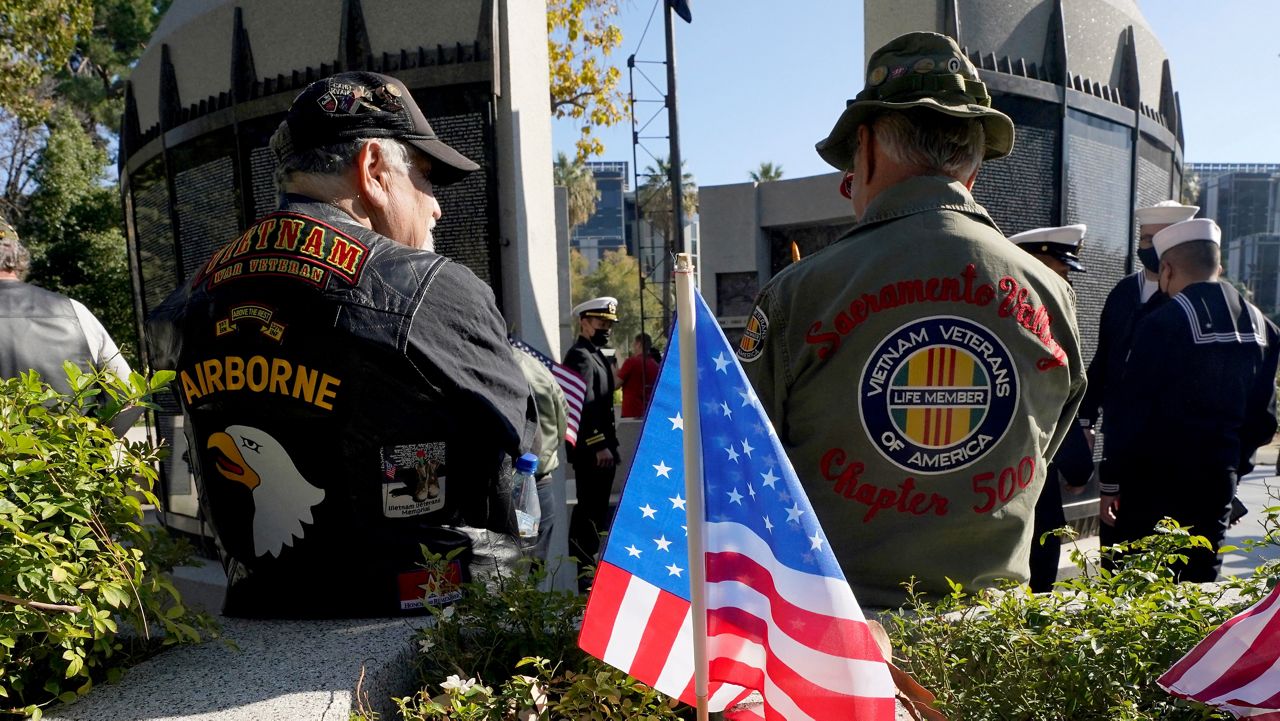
[
  {"x": 654, "y": 198},
  {"x": 654, "y": 201},
  {"x": 578, "y": 179},
  {"x": 767, "y": 173}
]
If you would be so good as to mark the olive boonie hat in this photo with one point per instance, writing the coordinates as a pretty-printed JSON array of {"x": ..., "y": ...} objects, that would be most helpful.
[
  {"x": 918, "y": 70},
  {"x": 354, "y": 105}
]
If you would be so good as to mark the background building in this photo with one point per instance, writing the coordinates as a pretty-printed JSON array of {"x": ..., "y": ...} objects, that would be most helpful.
[
  {"x": 606, "y": 229},
  {"x": 1244, "y": 199}
]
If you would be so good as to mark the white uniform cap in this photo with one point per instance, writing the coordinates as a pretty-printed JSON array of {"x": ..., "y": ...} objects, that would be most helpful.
[
  {"x": 1185, "y": 232},
  {"x": 1062, "y": 243},
  {"x": 603, "y": 307},
  {"x": 1166, "y": 212},
  {"x": 1066, "y": 235}
]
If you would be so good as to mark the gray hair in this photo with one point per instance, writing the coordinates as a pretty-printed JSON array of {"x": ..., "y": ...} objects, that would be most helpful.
[
  {"x": 322, "y": 168},
  {"x": 14, "y": 257},
  {"x": 932, "y": 141}
]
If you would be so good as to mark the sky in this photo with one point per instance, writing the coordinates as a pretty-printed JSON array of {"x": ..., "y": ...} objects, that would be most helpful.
[{"x": 756, "y": 84}]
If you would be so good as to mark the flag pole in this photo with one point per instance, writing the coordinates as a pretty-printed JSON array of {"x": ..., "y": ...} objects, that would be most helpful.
[{"x": 686, "y": 315}]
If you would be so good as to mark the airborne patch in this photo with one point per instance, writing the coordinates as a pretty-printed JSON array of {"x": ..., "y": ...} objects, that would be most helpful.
[
  {"x": 752, "y": 344},
  {"x": 938, "y": 394}
]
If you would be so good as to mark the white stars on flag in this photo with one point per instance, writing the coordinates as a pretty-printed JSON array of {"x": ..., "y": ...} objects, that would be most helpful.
[
  {"x": 816, "y": 541},
  {"x": 751, "y": 491},
  {"x": 648, "y": 511},
  {"x": 794, "y": 513},
  {"x": 722, "y": 363},
  {"x": 633, "y": 551},
  {"x": 677, "y": 423},
  {"x": 747, "y": 448},
  {"x": 769, "y": 478},
  {"x": 768, "y": 525},
  {"x": 735, "y": 497},
  {"x": 663, "y": 543},
  {"x": 677, "y": 502},
  {"x": 674, "y": 570},
  {"x": 746, "y": 398},
  {"x": 733, "y": 455},
  {"x": 728, "y": 412},
  {"x": 663, "y": 469}
]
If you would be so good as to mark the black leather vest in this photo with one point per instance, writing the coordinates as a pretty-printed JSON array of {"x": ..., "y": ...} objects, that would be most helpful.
[
  {"x": 39, "y": 331},
  {"x": 347, "y": 399}
]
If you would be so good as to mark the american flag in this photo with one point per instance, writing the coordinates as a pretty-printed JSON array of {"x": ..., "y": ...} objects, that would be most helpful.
[
  {"x": 781, "y": 618},
  {"x": 574, "y": 387},
  {"x": 1237, "y": 668}
]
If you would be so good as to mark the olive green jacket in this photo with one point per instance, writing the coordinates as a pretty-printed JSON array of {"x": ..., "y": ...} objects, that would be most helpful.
[
  {"x": 549, "y": 400},
  {"x": 919, "y": 371}
]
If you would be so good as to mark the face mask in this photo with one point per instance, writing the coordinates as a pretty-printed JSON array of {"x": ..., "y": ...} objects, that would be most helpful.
[
  {"x": 1150, "y": 260},
  {"x": 601, "y": 337}
]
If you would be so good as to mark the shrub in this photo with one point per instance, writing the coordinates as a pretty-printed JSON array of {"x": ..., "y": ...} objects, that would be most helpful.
[
  {"x": 510, "y": 646},
  {"x": 83, "y": 589},
  {"x": 1089, "y": 651}
]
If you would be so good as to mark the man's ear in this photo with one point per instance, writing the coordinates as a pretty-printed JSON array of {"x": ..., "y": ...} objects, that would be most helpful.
[{"x": 373, "y": 175}]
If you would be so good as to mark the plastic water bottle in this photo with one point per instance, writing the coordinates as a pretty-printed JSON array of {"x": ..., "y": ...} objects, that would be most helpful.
[{"x": 525, "y": 496}]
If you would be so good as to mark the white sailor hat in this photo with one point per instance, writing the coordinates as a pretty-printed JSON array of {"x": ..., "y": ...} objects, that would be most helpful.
[
  {"x": 1185, "y": 232},
  {"x": 603, "y": 307},
  {"x": 1166, "y": 212},
  {"x": 1062, "y": 243}
]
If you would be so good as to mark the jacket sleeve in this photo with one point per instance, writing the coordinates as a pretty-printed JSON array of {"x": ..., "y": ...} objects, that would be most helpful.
[
  {"x": 460, "y": 335},
  {"x": 1141, "y": 383},
  {"x": 1070, "y": 342},
  {"x": 1091, "y": 405},
  {"x": 765, "y": 363},
  {"x": 1260, "y": 415}
]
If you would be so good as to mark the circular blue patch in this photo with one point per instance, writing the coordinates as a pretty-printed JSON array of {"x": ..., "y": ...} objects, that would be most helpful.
[{"x": 938, "y": 394}]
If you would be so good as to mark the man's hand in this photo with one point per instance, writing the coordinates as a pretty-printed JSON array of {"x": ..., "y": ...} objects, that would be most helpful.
[
  {"x": 604, "y": 458},
  {"x": 1107, "y": 507}
]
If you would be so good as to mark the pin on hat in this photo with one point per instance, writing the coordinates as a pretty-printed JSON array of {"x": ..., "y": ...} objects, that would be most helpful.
[
  {"x": 603, "y": 307},
  {"x": 1186, "y": 232},
  {"x": 354, "y": 105},
  {"x": 1166, "y": 212},
  {"x": 941, "y": 79},
  {"x": 1062, "y": 243}
]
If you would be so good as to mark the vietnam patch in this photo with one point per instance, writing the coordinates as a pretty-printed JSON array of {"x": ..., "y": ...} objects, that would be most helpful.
[
  {"x": 938, "y": 394},
  {"x": 751, "y": 346}
]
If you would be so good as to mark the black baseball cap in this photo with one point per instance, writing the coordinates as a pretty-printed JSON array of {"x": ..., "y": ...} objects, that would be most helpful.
[{"x": 358, "y": 104}]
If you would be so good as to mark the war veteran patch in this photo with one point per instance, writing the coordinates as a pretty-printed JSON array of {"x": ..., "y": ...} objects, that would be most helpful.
[{"x": 937, "y": 394}]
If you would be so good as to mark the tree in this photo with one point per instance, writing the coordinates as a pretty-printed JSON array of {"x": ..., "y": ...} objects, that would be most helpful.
[
  {"x": 72, "y": 228},
  {"x": 766, "y": 173},
  {"x": 616, "y": 275},
  {"x": 1190, "y": 191},
  {"x": 577, "y": 178},
  {"x": 38, "y": 37},
  {"x": 654, "y": 198},
  {"x": 56, "y": 130},
  {"x": 584, "y": 85}
]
